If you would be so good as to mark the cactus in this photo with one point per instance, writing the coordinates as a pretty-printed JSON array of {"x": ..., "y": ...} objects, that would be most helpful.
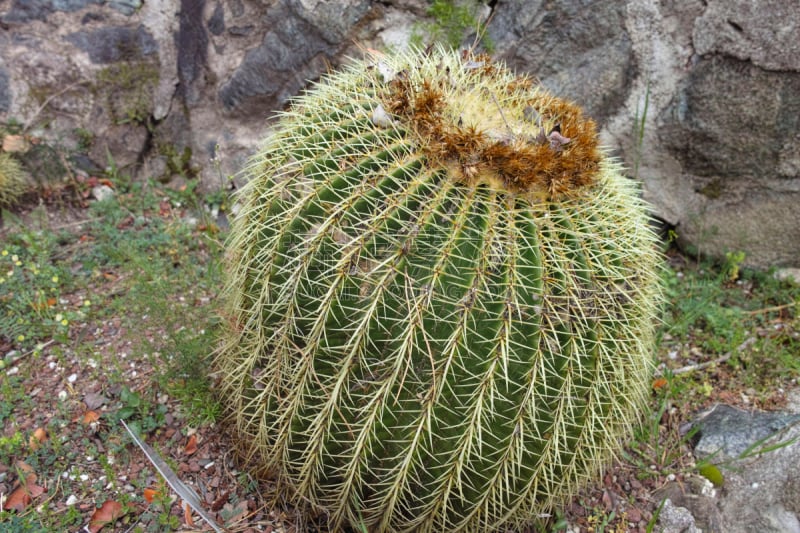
[
  {"x": 441, "y": 298},
  {"x": 12, "y": 179}
]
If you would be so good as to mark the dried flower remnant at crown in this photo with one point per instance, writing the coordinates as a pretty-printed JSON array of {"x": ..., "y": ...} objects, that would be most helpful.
[{"x": 487, "y": 126}]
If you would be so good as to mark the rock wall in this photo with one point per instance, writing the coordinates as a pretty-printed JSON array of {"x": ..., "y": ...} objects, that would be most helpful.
[{"x": 700, "y": 98}]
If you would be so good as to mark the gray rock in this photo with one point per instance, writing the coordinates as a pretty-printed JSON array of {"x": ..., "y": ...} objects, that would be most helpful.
[
  {"x": 295, "y": 49},
  {"x": 5, "y": 91},
  {"x": 115, "y": 43},
  {"x": 764, "y": 32},
  {"x": 729, "y": 120},
  {"x": 731, "y": 191},
  {"x": 578, "y": 51},
  {"x": 762, "y": 493},
  {"x": 696, "y": 495},
  {"x": 674, "y": 519},
  {"x": 24, "y": 11},
  {"x": 726, "y": 433},
  {"x": 730, "y": 125},
  {"x": 216, "y": 24},
  {"x": 126, "y": 7},
  {"x": 788, "y": 274},
  {"x": 192, "y": 44}
]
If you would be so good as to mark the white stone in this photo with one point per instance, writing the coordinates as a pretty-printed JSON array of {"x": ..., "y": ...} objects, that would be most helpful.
[
  {"x": 788, "y": 274},
  {"x": 102, "y": 192}
]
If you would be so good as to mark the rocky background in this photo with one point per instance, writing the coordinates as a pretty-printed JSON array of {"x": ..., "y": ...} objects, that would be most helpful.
[{"x": 700, "y": 98}]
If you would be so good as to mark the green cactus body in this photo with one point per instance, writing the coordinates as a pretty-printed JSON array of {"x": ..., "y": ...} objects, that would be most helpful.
[{"x": 441, "y": 298}]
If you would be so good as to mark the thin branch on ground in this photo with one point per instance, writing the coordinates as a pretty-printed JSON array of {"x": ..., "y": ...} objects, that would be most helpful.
[
  {"x": 718, "y": 360},
  {"x": 773, "y": 308}
]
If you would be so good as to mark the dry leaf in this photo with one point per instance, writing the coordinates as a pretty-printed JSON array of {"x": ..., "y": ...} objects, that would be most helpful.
[
  {"x": 18, "y": 500},
  {"x": 23, "y": 467},
  {"x": 108, "y": 513},
  {"x": 37, "y": 438},
  {"x": 89, "y": 417},
  {"x": 219, "y": 502},
  {"x": 41, "y": 306},
  {"x": 22, "y": 496},
  {"x": 234, "y": 513},
  {"x": 187, "y": 515},
  {"x": 191, "y": 445},
  {"x": 659, "y": 383},
  {"x": 32, "y": 488},
  {"x": 149, "y": 494}
]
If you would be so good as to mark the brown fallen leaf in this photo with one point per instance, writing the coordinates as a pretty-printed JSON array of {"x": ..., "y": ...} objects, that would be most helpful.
[
  {"x": 33, "y": 489},
  {"x": 149, "y": 494},
  {"x": 191, "y": 445},
  {"x": 94, "y": 400},
  {"x": 89, "y": 417},
  {"x": 234, "y": 513},
  {"x": 23, "y": 468},
  {"x": 24, "y": 494},
  {"x": 42, "y": 305},
  {"x": 659, "y": 383},
  {"x": 18, "y": 500},
  {"x": 38, "y": 438},
  {"x": 108, "y": 513},
  {"x": 187, "y": 515}
]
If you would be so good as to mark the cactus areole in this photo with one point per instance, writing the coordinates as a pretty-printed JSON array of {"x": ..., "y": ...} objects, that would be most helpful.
[{"x": 441, "y": 298}]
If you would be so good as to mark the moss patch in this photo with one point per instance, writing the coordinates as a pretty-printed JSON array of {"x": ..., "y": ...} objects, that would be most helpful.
[{"x": 127, "y": 88}]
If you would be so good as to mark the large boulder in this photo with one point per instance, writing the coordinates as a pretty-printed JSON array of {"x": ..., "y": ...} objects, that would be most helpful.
[
  {"x": 759, "y": 454},
  {"x": 719, "y": 148},
  {"x": 700, "y": 98}
]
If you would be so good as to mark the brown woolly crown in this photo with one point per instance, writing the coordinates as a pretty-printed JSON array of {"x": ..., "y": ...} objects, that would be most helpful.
[{"x": 487, "y": 125}]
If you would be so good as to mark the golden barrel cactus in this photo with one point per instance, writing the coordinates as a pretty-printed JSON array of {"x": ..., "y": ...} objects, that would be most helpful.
[{"x": 441, "y": 298}]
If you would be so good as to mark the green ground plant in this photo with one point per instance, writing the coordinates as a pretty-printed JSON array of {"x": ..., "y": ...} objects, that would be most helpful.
[
  {"x": 13, "y": 182},
  {"x": 137, "y": 261},
  {"x": 32, "y": 282},
  {"x": 450, "y": 23}
]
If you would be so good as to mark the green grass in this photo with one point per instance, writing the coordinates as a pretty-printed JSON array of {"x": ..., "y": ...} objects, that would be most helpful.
[
  {"x": 450, "y": 23},
  {"x": 713, "y": 309}
]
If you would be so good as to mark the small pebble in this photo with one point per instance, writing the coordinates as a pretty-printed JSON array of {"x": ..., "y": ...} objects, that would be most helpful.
[{"x": 72, "y": 500}]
